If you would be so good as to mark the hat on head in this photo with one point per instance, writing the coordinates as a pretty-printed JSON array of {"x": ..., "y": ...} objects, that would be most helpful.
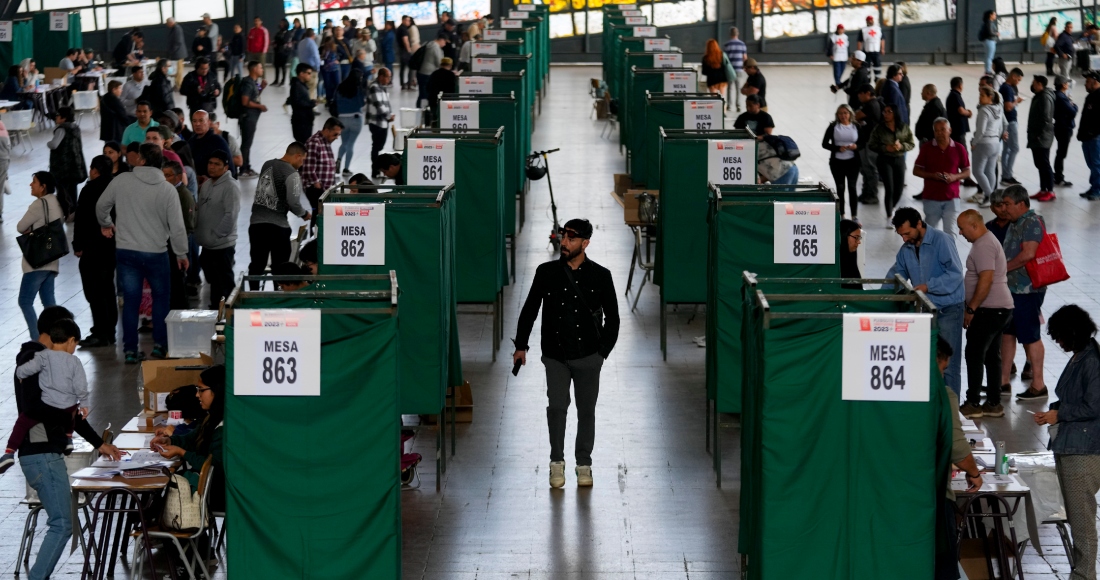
[
  {"x": 749, "y": 62},
  {"x": 1092, "y": 74},
  {"x": 582, "y": 226},
  {"x": 206, "y": 15},
  {"x": 860, "y": 56},
  {"x": 840, "y": 26},
  {"x": 870, "y": 18},
  {"x": 1060, "y": 80},
  {"x": 172, "y": 116}
]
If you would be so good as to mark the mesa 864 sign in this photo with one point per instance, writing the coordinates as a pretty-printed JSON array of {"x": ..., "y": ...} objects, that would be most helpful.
[
  {"x": 886, "y": 357},
  {"x": 277, "y": 352},
  {"x": 431, "y": 161}
]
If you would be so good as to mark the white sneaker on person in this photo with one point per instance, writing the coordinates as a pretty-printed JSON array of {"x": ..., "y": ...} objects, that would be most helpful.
[
  {"x": 976, "y": 198},
  {"x": 557, "y": 474},
  {"x": 584, "y": 476},
  {"x": 700, "y": 341}
]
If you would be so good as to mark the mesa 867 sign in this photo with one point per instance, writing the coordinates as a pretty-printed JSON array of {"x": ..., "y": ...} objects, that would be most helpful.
[
  {"x": 431, "y": 162},
  {"x": 886, "y": 357}
]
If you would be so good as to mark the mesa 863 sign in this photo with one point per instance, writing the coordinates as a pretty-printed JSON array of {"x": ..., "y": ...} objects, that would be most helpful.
[
  {"x": 277, "y": 352},
  {"x": 431, "y": 161},
  {"x": 886, "y": 357}
]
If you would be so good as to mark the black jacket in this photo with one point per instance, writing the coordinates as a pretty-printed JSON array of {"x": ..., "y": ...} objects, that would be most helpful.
[
  {"x": 441, "y": 81},
  {"x": 1065, "y": 113},
  {"x": 960, "y": 125},
  {"x": 87, "y": 236},
  {"x": 300, "y": 103},
  {"x": 202, "y": 46},
  {"x": 159, "y": 93},
  {"x": 859, "y": 77},
  {"x": 54, "y": 424},
  {"x": 872, "y": 116},
  {"x": 113, "y": 119},
  {"x": 1090, "y": 118},
  {"x": 568, "y": 330},
  {"x": 828, "y": 144},
  {"x": 201, "y": 98},
  {"x": 932, "y": 110},
  {"x": 122, "y": 50}
]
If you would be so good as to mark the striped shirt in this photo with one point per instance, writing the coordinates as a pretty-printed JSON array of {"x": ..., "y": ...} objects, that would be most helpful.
[
  {"x": 736, "y": 51},
  {"x": 378, "y": 106}
]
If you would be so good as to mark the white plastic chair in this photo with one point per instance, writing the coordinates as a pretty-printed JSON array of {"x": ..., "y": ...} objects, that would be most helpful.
[
  {"x": 411, "y": 117},
  {"x": 399, "y": 136},
  {"x": 195, "y": 564},
  {"x": 19, "y": 124},
  {"x": 86, "y": 102}
]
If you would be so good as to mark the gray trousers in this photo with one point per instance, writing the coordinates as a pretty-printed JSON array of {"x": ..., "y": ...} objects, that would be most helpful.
[
  {"x": 584, "y": 373},
  {"x": 868, "y": 168},
  {"x": 1079, "y": 478}
]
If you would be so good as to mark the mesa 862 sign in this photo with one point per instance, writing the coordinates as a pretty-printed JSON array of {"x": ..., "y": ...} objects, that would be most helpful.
[
  {"x": 431, "y": 161},
  {"x": 886, "y": 357},
  {"x": 277, "y": 352}
]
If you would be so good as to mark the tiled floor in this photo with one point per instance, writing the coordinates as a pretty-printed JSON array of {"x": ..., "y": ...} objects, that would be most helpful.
[{"x": 655, "y": 512}]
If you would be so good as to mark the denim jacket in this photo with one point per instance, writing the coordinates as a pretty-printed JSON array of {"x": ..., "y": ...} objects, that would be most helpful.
[{"x": 1078, "y": 405}]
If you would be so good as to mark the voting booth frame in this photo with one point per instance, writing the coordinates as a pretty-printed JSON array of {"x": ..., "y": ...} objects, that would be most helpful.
[
  {"x": 481, "y": 267},
  {"x": 419, "y": 247},
  {"x": 684, "y": 213},
  {"x": 809, "y": 457},
  {"x": 338, "y": 515},
  {"x": 34, "y": 37},
  {"x": 666, "y": 110},
  {"x": 639, "y": 82}
]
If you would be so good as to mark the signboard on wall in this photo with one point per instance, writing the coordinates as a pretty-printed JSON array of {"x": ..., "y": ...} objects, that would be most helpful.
[{"x": 59, "y": 21}]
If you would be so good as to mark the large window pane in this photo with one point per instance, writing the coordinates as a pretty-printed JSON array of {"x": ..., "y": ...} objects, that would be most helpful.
[
  {"x": 1039, "y": 21},
  {"x": 360, "y": 15},
  {"x": 64, "y": 4},
  {"x": 578, "y": 23},
  {"x": 87, "y": 20},
  {"x": 421, "y": 12},
  {"x": 918, "y": 11},
  {"x": 561, "y": 25},
  {"x": 777, "y": 25},
  {"x": 853, "y": 18},
  {"x": 130, "y": 15},
  {"x": 471, "y": 9},
  {"x": 30, "y": 6},
  {"x": 595, "y": 21},
  {"x": 191, "y": 11},
  {"x": 673, "y": 13}
]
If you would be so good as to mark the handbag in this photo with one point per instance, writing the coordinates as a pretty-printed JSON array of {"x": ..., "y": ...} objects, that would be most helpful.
[
  {"x": 44, "y": 244},
  {"x": 597, "y": 315},
  {"x": 182, "y": 507},
  {"x": 1047, "y": 267}
]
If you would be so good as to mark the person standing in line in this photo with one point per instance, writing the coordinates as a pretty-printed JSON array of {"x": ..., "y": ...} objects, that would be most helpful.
[
  {"x": 330, "y": 70},
  {"x": 958, "y": 115},
  {"x": 309, "y": 55},
  {"x": 96, "y": 253},
  {"x": 942, "y": 163},
  {"x": 869, "y": 115},
  {"x": 836, "y": 49},
  {"x": 433, "y": 56},
  {"x": 1089, "y": 134},
  {"x": 1021, "y": 243},
  {"x": 842, "y": 141},
  {"x": 1065, "y": 50},
  {"x": 301, "y": 105},
  {"x": 736, "y": 51},
  {"x": 216, "y": 226},
  {"x": 283, "y": 48},
  {"x": 580, "y": 326},
  {"x": 714, "y": 68},
  {"x": 1010, "y": 97},
  {"x": 259, "y": 41},
  {"x": 113, "y": 119},
  {"x": 173, "y": 174},
  {"x": 278, "y": 191},
  {"x": 404, "y": 53},
  {"x": 350, "y": 101},
  {"x": 890, "y": 140},
  {"x": 147, "y": 224},
  {"x": 250, "y": 98},
  {"x": 177, "y": 48},
  {"x": 928, "y": 258},
  {"x": 203, "y": 142},
  {"x": 861, "y": 75},
  {"x": 1065, "y": 115},
  {"x": 870, "y": 42},
  {"x": 1040, "y": 136},
  {"x": 67, "y": 159},
  {"x": 379, "y": 112},
  {"x": 319, "y": 169},
  {"x": 755, "y": 83},
  {"x": 38, "y": 281},
  {"x": 132, "y": 89},
  {"x": 201, "y": 87},
  {"x": 989, "y": 35},
  {"x": 989, "y": 132},
  {"x": 236, "y": 53},
  {"x": 212, "y": 30},
  {"x": 201, "y": 46},
  {"x": 988, "y": 310},
  {"x": 892, "y": 94},
  {"x": 1076, "y": 449},
  {"x": 933, "y": 109},
  {"x": 387, "y": 46}
]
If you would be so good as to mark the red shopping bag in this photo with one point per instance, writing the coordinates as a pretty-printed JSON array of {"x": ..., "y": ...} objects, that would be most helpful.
[{"x": 1047, "y": 267}]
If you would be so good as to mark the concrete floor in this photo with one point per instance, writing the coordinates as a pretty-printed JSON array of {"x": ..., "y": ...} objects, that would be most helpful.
[{"x": 654, "y": 512}]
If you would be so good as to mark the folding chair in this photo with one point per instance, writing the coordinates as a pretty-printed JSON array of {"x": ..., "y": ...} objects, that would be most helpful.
[
  {"x": 196, "y": 562},
  {"x": 19, "y": 124},
  {"x": 1000, "y": 514},
  {"x": 86, "y": 102}
]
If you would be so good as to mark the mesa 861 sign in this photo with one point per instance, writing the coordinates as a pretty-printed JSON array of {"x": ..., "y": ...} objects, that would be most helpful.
[
  {"x": 277, "y": 352},
  {"x": 886, "y": 357},
  {"x": 431, "y": 161}
]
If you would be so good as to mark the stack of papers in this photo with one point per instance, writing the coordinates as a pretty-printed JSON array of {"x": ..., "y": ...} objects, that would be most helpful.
[{"x": 135, "y": 460}]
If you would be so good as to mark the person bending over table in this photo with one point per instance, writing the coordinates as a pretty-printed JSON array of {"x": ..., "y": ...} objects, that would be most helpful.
[
  {"x": 41, "y": 454},
  {"x": 194, "y": 447},
  {"x": 1076, "y": 448}
]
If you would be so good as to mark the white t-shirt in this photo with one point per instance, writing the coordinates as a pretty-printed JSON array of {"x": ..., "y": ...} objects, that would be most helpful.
[
  {"x": 840, "y": 47},
  {"x": 871, "y": 37}
]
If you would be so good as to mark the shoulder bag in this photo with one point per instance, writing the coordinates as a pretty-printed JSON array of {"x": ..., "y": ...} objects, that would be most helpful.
[
  {"x": 1047, "y": 267},
  {"x": 595, "y": 315},
  {"x": 44, "y": 244},
  {"x": 182, "y": 506}
]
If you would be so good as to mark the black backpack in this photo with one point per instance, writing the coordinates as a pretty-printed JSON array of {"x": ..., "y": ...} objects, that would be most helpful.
[
  {"x": 417, "y": 59},
  {"x": 785, "y": 147}
]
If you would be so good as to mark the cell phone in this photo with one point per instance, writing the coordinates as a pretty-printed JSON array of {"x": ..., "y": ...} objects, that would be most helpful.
[{"x": 515, "y": 368}]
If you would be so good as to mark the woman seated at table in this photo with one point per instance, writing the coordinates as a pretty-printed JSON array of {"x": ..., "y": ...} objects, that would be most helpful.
[
  {"x": 204, "y": 440},
  {"x": 13, "y": 86}
]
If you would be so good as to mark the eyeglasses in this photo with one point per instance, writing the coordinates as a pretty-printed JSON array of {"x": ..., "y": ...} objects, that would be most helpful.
[
  {"x": 858, "y": 238},
  {"x": 571, "y": 234},
  {"x": 202, "y": 389}
]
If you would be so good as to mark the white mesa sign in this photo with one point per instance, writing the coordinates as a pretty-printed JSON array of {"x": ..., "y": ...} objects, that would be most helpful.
[
  {"x": 460, "y": 115},
  {"x": 655, "y": 44},
  {"x": 886, "y": 357},
  {"x": 484, "y": 48},
  {"x": 355, "y": 234},
  {"x": 511, "y": 23},
  {"x": 475, "y": 85},
  {"x": 635, "y": 20},
  {"x": 277, "y": 352},
  {"x": 804, "y": 233},
  {"x": 668, "y": 60},
  {"x": 702, "y": 115},
  {"x": 731, "y": 162},
  {"x": 494, "y": 34},
  {"x": 679, "y": 82},
  {"x": 650, "y": 31},
  {"x": 431, "y": 161},
  {"x": 482, "y": 64}
]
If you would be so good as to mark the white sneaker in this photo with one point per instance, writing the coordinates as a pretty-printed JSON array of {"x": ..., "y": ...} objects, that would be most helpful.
[
  {"x": 976, "y": 198},
  {"x": 584, "y": 476},
  {"x": 557, "y": 474},
  {"x": 700, "y": 341}
]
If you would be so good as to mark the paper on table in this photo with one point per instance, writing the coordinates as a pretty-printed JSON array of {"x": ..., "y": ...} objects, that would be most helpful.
[
  {"x": 997, "y": 479},
  {"x": 143, "y": 458},
  {"x": 95, "y": 473}
]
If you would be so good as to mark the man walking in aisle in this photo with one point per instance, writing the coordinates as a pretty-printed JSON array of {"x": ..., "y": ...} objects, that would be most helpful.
[
  {"x": 1089, "y": 134},
  {"x": 1010, "y": 97},
  {"x": 250, "y": 99},
  {"x": 580, "y": 325},
  {"x": 735, "y": 50}
]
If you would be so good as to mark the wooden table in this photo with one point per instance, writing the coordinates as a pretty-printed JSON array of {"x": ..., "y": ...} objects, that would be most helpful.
[{"x": 641, "y": 238}]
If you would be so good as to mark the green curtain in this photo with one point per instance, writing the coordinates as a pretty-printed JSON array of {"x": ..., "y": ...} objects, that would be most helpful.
[
  {"x": 540, "y": 49},
  {"x": 21, "y": 46},
  {"x": 613, "y": 66},
  {"x": 666, "y": 110},
  {"x": 516, "y": 83},
  {"x": 50, "y": 47},
  {"x": 338, "y": 513},
  {"x": 420, "y": 248},
  {"x": 812, "y": 503}
]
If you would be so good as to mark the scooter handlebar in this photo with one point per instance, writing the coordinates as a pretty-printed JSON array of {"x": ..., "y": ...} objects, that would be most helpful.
[{"x": 541, "y": 153}]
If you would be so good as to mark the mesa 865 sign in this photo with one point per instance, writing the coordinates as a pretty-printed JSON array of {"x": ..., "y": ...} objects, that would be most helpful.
[
  {"x": 277, "y": 352},
  {"x": 431, "y": 161},
  {"x": 886, "y": 357}
]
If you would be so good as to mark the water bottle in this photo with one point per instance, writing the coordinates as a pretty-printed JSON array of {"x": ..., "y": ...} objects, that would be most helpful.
[
  {"x": 1000, "y": 448},
  {"x": 1002, "y": 468}
]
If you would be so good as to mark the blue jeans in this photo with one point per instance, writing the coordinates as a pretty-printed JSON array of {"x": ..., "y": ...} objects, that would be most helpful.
[
  {"x": 1091, "y": 149},
  {"x": 134, "y": 268},
  {"x": 990, "y": 52},
  {"x": 47, "y": 475},
  {"x": 788, "y": 178},
  {"x": 946, "y": 212},
  {"x": 838, "y": 71},
  {"x": 236, "y": 66},
  {"x": 1011, "y": 148},
  {"x": 353, "y": 124},
  {"x": 951, "y": 328},
  {"x": 34, "y": 283}
]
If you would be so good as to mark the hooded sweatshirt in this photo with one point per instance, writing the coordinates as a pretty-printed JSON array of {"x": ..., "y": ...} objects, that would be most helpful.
[
  {"x": 148, "y": 214},
  {"x": 991, "y": 124},
  {"x": 216, "y": 215}
]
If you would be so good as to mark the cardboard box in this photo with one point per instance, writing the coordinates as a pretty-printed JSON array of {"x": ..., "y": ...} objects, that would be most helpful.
[
  {"x": 160, "y": 377},
  {"x": 53, "y": 73},
  {"x": 623, "y": 183},
  {"x": 464, "y": 405},
  {"x": 972, "y": 558},
  {"x": 630, "y": 203}
]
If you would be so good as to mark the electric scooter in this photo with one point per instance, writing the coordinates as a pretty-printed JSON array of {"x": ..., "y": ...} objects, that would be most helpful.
[{"x": 535, "y": 171}]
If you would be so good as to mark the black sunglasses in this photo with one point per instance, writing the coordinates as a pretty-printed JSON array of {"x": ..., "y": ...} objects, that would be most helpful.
[{"x": 571, "y": 234}]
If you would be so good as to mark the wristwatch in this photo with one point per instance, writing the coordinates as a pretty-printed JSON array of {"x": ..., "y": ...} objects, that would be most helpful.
[
  {"x": 968, "y": 476},
  {"x": 969, "y": 310}
]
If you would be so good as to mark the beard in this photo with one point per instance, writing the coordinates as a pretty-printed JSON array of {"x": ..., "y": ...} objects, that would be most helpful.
[{"x": 567, "y": 255}]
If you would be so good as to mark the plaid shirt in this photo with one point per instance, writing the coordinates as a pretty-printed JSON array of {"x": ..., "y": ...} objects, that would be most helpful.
[
  {"x": 378, "y": 106},
  {"x": 320, "y": 165}
]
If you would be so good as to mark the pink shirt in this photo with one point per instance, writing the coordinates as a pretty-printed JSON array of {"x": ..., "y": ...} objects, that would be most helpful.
[{"x": 953, "y": 159}]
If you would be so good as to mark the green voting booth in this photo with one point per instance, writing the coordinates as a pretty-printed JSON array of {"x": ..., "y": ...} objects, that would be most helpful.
[
  {"x": 809, "y": 408},
  {"x": 639, "y": 82},
  {"x": 510, "y": 63},
  {"x": 506, "y": 83},
  {"x": 688, "y": 111},
  {"x": 302, "y": 366},
  {"x": 50, "y": 41},
  {"x": 539, "y": 19}
]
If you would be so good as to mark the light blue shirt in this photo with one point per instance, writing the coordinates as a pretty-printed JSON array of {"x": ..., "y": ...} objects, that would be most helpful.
[
  {"x": 307, "y": 53},
  {"x": 938, "y": 267}
]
